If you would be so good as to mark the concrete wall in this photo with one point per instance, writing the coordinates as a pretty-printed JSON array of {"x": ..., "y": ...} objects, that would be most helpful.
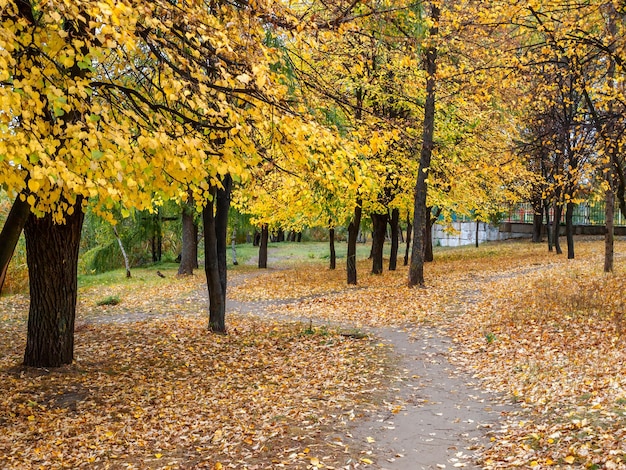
[{"x": 464, "y": 233}]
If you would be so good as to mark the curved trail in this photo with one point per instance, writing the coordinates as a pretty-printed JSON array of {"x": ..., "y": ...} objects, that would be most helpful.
[{"x": 441, "y": 418}]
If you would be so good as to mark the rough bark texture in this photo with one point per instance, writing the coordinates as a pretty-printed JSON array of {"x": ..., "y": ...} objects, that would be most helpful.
[
  {"x": 263, "y": 247},
  {"x": 409, "y": 230},
  {"x": 429, "y": 256},
  {"x": 394, "y": 223},
  {"x": 420, "y": 218},
  {"x": 11, "y": 231},
  {"x": 353, "y": 233},
  {"x": 556, "y": 228},
  {"x": 379, "y": 223},
  {"x": 52, "y": 256},
  {"x": 215, "y": 218},
  {"x": 333, "y": 254},
  {"x": 569, "y": 229},
  {"x": 189, "y": 254},
  {"x": 609, "y": 238}
]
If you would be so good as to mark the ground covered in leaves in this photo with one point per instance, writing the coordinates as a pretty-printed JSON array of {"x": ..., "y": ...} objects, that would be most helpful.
[{"x": 150, "y": 388}]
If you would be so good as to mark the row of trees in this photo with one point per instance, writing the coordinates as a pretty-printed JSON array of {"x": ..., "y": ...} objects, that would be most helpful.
[{"x": 306, "y": 114}]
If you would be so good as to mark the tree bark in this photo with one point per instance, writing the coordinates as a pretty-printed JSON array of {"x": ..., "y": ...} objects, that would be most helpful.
[
  {"x": 477, "y": 232},
  {"x": 428, "y": 237},
  {"x": 10, "y": 235},
  {"x": 52, "y": 256},
  {"x": 537, "y": 220},
  {"x": 189, "y": 254},
  {"x": 394, "y": 223},
  {"x": 263, "y": 246},
  {"x": 215, "y": 218},
  {"x": 353, "y": 233},
  {"x": 548, "y": 226},
  {"x": 420, "y": 218},
  {"x": 124, "y": 255},
  {"x": 556, "y": 228},
  {"x": 333, "y": 254},
  {"x": 409, "y": 229},
  {"x": 379, "y": 223},
  {"x": 609, "y": 237},
  {"x": 569, "y": 229}
]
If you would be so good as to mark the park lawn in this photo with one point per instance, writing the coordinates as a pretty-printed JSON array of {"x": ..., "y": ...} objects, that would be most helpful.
[{"x": 150, "y": 388}]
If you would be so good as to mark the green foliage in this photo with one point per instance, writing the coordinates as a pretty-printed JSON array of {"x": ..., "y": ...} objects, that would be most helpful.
[{"x": 109, "y": 300}]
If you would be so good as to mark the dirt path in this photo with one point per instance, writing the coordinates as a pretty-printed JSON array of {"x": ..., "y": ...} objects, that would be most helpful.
[
  {"x": 445, "y": 417},
  {"x": 440, "y": 417}
]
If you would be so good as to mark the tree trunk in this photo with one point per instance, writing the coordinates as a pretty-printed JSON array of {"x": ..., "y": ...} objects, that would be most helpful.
[
  {"x": 609, "y": 237},
  {"x": 421, "y": 217},
  {"x": 394, "y": 222},
  {"x": 353, "y": 233},
  {"x": 190, "y": 240},
  {"x": 428, "y": 237},
  {"x": 333, "y": 254},
  {"x": 11, "y": 231},
  {"x": 124, "y": 255},
  {"x": 299, "y": 237},
  {"x": 569, "y": 229},
  {"x": 233, "y": 246},
  {"x": 556, "y": 228},
  {"x": 263, "y": 246},
  {"x": 537, "y": 221},
  {"x": 409, "y": 229},
  {"x": 548, "y": 226},
  {"x": 52, "y": 256},
  {"x": 379, "y": 223},
  {"x": 477, "y": 232},
  {"x": 215, "y": 225},
  {"x": 194, "y": 255}
]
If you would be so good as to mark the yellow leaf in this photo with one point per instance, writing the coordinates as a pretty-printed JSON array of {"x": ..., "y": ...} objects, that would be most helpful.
[
  {"x": 33, "y": 185},
  {"x": 366, "y": 460},
  {"x": 315, "y": 461},
  {"x": 569, "y": 459},
  {"x": 158, "y": 456},
  {"x": 370, "y": 439},
  {"x": 218, "y": 466},
  {"x": 31, "y": 418}
]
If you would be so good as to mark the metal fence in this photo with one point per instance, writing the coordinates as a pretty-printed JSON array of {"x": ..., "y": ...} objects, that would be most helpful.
[{"x": 586, "y": 213}]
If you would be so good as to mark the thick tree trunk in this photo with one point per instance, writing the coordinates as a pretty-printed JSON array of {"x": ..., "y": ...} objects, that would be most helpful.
[
  {"x": 421, "y": 217},
  {"x": 394, "y": 223},
  {"x": 189, "y": 254},
  {"x": 569, "y": 229},
  {"x": 11, "y": 231},
  {"x": 409, "y": 230},
  {"x": 124, "y": 255},
  {"x": 52, "y": 255},
  {"x": 609, "y": 237},
  {"x": 299, "y": 237},
  {"x": 333, "y": 254},
  {"x": 353, "y": 233},
  {"x": 263, "y": 246},
  {"x": 215, "y": 225},
  {"x": 379, "y": 223}
]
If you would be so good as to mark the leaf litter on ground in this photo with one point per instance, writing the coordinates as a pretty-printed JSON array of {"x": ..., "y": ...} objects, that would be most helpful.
[{"x": 160, "y": 392}]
